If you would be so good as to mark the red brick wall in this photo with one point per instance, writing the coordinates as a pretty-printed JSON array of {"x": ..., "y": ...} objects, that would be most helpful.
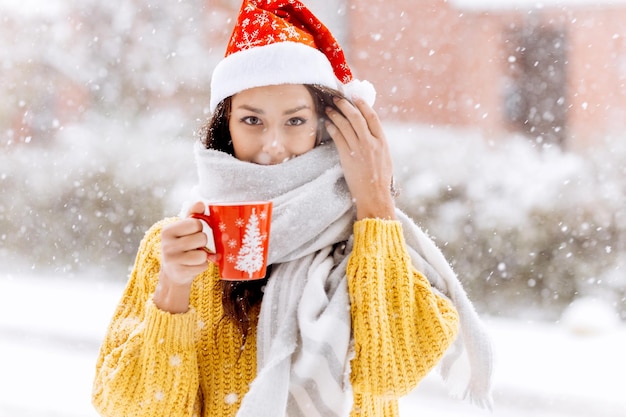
[
  {"x": 431, "y": 63},
  {"x": 597, "y": 73},
  {"x": 437, "y": 65}
]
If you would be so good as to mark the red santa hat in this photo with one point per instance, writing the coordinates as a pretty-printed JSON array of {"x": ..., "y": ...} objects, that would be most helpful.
[{"x": 281, "y": 42}]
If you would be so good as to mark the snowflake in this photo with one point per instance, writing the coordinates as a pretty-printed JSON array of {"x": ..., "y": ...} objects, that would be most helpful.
[
  {"x": 240, "y": 222},
  {"x": 292, "y": 32},
  {"x": 263, "y": 215},
  {"x": 282, "y": 36},
  {"x": 230, "y": 258},
  {"x": 175, "y": 360},
  {"x": 222, "y": 227},
  {"x": 232, "y": 243},
  {"x": 249, "y": 40},
  {"x": 250, "y": 6},
  {"x": 261, "y": 19},
  {"x": 231, "y": 398},
  {"x": 245, "y": 22},
  {"x": 274, "y": 25},
  {"x": 129, "y": 323}
]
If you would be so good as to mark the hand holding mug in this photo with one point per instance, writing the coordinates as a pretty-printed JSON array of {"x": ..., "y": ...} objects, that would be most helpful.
[
  {"x": 181, "y": 258},
  {"x": 181, "y": 262},
  {"x": 240, "y": 232}
]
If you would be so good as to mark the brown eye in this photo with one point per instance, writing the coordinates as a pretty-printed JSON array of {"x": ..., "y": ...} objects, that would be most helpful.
[
  {"x": 296, "y": 121},
  {"x": 251, "y": 120}
]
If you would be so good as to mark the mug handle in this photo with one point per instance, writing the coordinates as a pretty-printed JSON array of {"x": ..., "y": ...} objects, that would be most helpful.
[
  {"x": 205, "y": 218},
  {"x": 200, "y": 216}
]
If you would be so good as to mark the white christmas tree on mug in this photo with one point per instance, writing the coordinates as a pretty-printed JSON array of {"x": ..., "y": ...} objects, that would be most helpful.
[{"x": 250, "y": 256}]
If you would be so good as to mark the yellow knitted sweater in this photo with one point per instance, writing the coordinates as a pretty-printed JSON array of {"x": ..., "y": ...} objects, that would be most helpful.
[{"x": 153, "y": 363}]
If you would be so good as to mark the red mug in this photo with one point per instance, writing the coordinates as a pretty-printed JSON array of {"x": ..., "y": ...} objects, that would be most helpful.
[{"x": 241, "y": 233}]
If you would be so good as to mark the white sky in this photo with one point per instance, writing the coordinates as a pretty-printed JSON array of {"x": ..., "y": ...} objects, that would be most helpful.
[
  {"x": 530, "y": 4},
  {"x": 33, "y": 7},
  {"x": 51, "y": 7}
]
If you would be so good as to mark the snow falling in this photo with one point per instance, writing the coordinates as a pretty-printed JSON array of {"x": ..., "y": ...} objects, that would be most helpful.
[{"x": 101, "y": 102}]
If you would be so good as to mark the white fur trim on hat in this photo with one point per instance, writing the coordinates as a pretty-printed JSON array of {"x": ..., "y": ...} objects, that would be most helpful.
[{"x": 273, "y": 64}]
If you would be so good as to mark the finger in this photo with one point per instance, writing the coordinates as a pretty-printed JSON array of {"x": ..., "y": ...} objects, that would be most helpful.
[
  {"x": 371, "y": 118},
  {"x": 196, "y": 257},
  {"x": 353, "y": 118},
  {"x": 181, "y": 228},
  {"x": 337, "y": 118},
  {"x": 335, "y": 134},
  {"x": 340, "y": 130},
  {"x": 197, "y": 207},
  {"x": 346, "y": 152},
  {"x": 193, "y": 241},
  {"x": 179, "y": 239},
  {"x": 179, "y": 250}
]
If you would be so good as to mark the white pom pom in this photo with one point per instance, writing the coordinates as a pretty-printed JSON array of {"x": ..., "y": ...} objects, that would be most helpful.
[{"x": 362, "y": 89}]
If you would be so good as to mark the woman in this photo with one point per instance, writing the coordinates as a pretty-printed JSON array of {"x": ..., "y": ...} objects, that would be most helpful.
[{"x": 346, "y": 321}]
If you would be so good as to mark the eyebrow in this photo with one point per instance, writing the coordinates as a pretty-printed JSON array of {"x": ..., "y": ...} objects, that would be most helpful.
[{"x": 286, "y": 112}]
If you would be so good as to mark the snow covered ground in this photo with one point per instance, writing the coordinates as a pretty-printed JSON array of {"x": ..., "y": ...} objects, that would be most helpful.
[{"x": 50, "y": 330}]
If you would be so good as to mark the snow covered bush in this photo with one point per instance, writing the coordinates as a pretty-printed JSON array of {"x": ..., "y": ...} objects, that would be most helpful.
[
  {"x": 527, "y": 227},
  {"x": 86, "y": 202}
]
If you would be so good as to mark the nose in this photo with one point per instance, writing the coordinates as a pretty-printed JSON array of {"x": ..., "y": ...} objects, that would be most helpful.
[{"x": 274, "y": 145}]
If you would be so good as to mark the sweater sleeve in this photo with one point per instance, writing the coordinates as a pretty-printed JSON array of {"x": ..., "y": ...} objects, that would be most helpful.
[
  {"x": 147, "y": 365},
  {"x": 401, "y": 326}
]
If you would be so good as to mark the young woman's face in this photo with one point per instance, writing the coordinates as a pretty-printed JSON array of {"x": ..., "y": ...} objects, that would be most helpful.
[{"x": 269, "y": 125}]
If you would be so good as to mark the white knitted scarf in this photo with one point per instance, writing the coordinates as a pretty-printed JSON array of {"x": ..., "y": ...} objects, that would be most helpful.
[{"x": 303, "y": 334}]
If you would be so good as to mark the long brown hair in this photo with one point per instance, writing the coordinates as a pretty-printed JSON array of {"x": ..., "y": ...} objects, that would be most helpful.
[{"x": 239, "y": 298}]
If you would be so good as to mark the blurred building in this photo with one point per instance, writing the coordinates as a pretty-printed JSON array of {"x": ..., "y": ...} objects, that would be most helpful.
[{"x": 554, "y": 70}]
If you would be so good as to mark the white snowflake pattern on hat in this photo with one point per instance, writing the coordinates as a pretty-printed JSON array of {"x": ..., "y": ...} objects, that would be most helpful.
[{"x": 281, "y": 42}]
